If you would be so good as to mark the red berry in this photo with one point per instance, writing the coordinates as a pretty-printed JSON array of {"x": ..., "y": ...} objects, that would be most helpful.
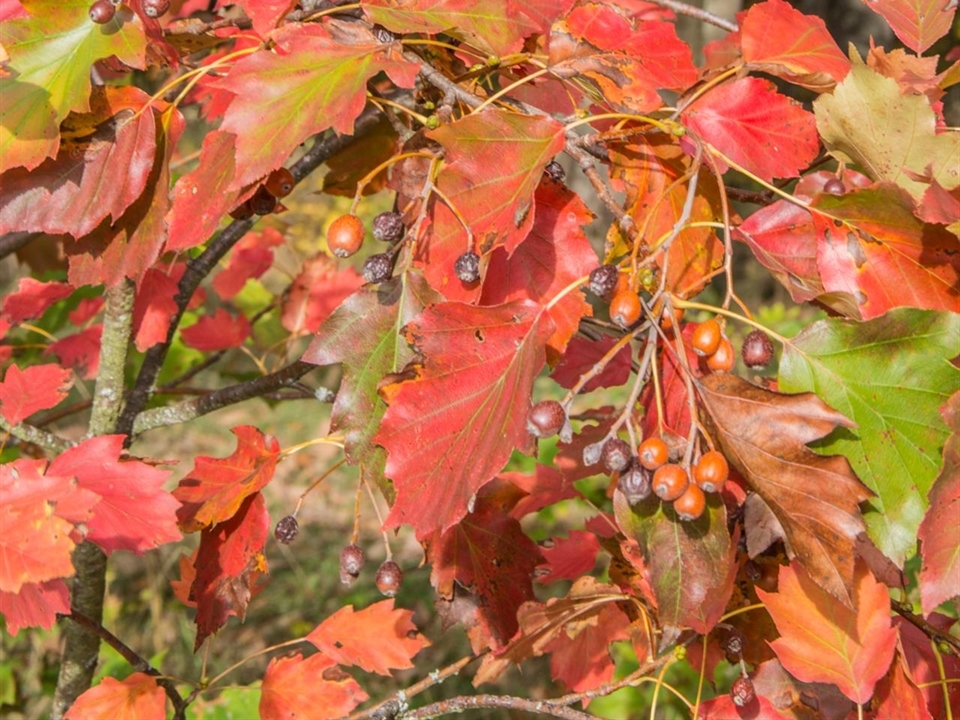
[
  {"x": 467, "y": 267},
  {"x": 834, "y": 186},
  {"x": 635, "y": 483},
  {"x": 287, "y": 530},
  {"x": 388, "y": 227},
  {"x": 742, "y": 693},
  {"x": 352, "y": 560},
  {"x": 262, "y": 202},
  {"x": 155, "y": 8},
  {"x": 546, "y": 418},
  {"x": 280, "y": 182},
  {"x": 670, "y": 482},
  {"x": 243, "y": 211},
  {"x": 603, "y": 281},
  {"x": 625, "y": 308},
  {"x": 616, "y": 455},
  {"x": 711, "y": 472},
  {"x": 345, "y": 235},
  {"x": 757, "y": 350},
  {"x": 102, "y": 11},
  {"x": 724, "y": 358},
  {"x": 653, "y": 453},
  {"x": 691, "y": 504},
  {"x": 706, "y": 338},
  {"x": 389, "y": 577}
]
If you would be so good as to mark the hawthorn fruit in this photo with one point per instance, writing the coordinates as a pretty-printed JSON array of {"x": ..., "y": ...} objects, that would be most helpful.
[
  {"x": 706, "y": 338},
  {"x": 280, "y": 182},
  {"x": 262, "y": 202},
  {"x": 377, "y": 268},
  {"x": 287, "y": 530},
  {"x": 102, "y": 11},
  {"x": 653, "y": 453},
  {"x": 603, "y": 281},
  {"x": 352, "y": 560},
  {"x": 388, "y": 227},
  {"x": 546, "y": 418},
  {"x": 616, "y": 455},
  {"x": 834, "y": 186},
  {"x": 345, "y": 235},
  {"x": 389, "y": 578},
  {"x": 635, "y": 483},
  {"x": 155, "y": 8},
  {"x": 670, "y": 482},
  {"x": 724, "y": 358},
  {"x": 742, "y": 692},
  {"x": 757, "y": 350},
  {"x": 711, "y": 472},
  {"x": 691, "y": 504},
  {"x": 625, "y": 308},
  {"x": 467, "y": 267}
]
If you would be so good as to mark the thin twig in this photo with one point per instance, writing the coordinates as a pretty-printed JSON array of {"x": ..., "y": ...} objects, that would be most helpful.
[
  {"x": 485, "y": 702},
  {"x": 681, "y": 8}
]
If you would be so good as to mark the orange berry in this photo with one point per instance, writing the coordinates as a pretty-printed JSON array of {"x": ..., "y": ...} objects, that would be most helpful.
[
  {"x": 706, "y": 338},
  {"x": 653, "y": 453},
  {"x": 345, "y": 235},
  {"x": 691, "y": 504},
  {"x": 280, "y": 182},
  {"x": 724, "y": 358},
  {"x": 711, "y": 472},
  {"x": 625, "y": 308},
  {"x": 670, "y": 482}
]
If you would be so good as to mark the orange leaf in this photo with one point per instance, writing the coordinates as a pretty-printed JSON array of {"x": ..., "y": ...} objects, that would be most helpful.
[
  {"x": 136, "y": 698},
  {"x": 314, "y": 688},
  {"x": 823, "y": 641},
  {"x": 377, "y": 639}
]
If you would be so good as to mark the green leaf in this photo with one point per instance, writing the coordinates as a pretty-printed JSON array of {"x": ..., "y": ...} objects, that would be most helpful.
[
  {"x": 51, "y": 55},
  {"x": 889, "y": 375}
]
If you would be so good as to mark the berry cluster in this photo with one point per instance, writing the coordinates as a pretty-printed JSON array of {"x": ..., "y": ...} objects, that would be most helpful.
[
  {"x": 713, "y": 346},
  {"x": 673, "y": 483},
  {"x": 266, "y": 199}
]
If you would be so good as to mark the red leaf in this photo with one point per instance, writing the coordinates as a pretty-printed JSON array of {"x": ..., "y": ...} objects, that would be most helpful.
[
  {"x": 778, "y": 39},
  {"x": 925, "y": 665},
  {"x": 582, "y": 355},
  {"x": 266, "y": 13},
  {"x": 31, "y": 299},
  {"x": 188, "y": 574},
  {"x": 36, "y": 605},
  {"x": 751, "y": 124},
  {"x": 898, "y": 697},
  {"x": 138, "y": 697},
  {"x": 940, "y": 205},
  {"x": 86, "y": 309},
  {"x": 377, "y": 639},
  {"x": 229, "y": 562},
  {"x": 825, "y": 641},
  {"x": 544, "y": 488},
  {"x": 568, "y": 558},
  {"x": 24, "y": 392},
  {"x": 918, "y": 23},
  {"x": 134, "y": 513},
  {"x": 201, "y": 198},
  {"x": 454, "y": 425},
  {"x": 940, "y": 574},
  {"x": 723, "y": 708},
  {"x": 676, "y": 408},
  {"x": 219, "y": 332},
  {"x": 80, "y": 351},
  {"x": 91, "y": 180},
  {"x": 154, "y": 307},
  {"x": 580, "y": 655},
  {"x": 216, "y": 487},
  {"x": 314, "y": 688},
  {"x": 315, "y": 78},
  {"x": 316, "y": 292},
  {"x": 249, "y": 259},
  {"x": 554, "y": 255},
  {"x": 488, "y": 554}
]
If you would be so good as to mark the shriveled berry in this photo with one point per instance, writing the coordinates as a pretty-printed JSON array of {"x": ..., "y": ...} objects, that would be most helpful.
[
  {"x": 262, "y": 202},
  {"x": 724, "y": 358},
  {"x": 635, "y": 483},
  {"x": 591, "y": 453},
  {"x": 388, "y": 227},
  {"x": 757, "y": 350},
  {"x": 616, "y": 455},
  {"x": 834, "y": 186},
  {"x": 691, "y": 504},
  {"x": 377, "y": 268},
  {"x": 603, "y": 281},
  {"x": 352, "y": 560},
  {"x": 383, "y": 35},
  {"x": 280, "y": 182},
  {"x": 711, "y": 471},
  {"x": 555, "y": 171},
  {"x": 670, "y": 482},
  {"x": 345, "y": 235},
  {"x": 287, "y": 530},
  {"x": 243, "y": 211},
  {"x": 706, "y": 338},
  {"x": 625, "y": 308},
  {"x": 742, "y": 692},
  {"x": 467, "y": 267},
  {"x": 155, "y": 8},
  {"x": 389, "y": 577},
  {"x": 546, "y": 418},
  {"x": 732, "y": 642},
  {"x": 653, "y": 453},
  {"x": 102, "y": 11}
]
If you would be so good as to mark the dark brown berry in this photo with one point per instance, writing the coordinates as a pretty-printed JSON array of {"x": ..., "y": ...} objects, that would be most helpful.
[
  {"x": 388, "y": 227},
  {"x": 383, "y": 35},
  {"x": 834, "y": 186},
  {"x": 155, "y": 8},
  {"x": 742, "y": 692},
  {"x": 102, "y": 11},
  {"x": 732, "y": 642},
  {"x": 603, "y": 281},
  {"x": 467, "y": 267},
  {"x": 280, "y": 182},
  {"x": 287, "y": 530},
  {"x": 555, "y": 171},
  {"x": 635, "y": 483},
  {"x": 345, "y": 235},
  {"x": 389, "y": 577},
  {"x": 243, "y": 211},
  {"x": 757, "y": 350},
  {"x": 546, "y": 419},
  {"x": 378, "y": 268},
  {"x": 352, "y": 560},
  {"x": 616, "y": 455},
  {"x": 262, "y": 202}
]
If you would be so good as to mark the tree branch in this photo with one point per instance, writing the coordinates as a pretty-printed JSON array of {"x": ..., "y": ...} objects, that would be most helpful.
[
  {"x": 190, "y": 409},
  {"x": 681, "y": 8},
  {"x": 31, "y": 434},
  {"x": 480, "y": 702},
  {"x": 200, "y": 267},
  {"x": 13, "y": 241},
  {"x": 114, "y": 348}
]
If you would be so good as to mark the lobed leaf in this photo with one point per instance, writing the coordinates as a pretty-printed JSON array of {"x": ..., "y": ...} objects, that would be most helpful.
[
  {"x": 313, "y": 688},
  {"x": 136, "y": 697},
  {"x": 38, "y": 387},
  {"x": 918, "y": 23}
]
